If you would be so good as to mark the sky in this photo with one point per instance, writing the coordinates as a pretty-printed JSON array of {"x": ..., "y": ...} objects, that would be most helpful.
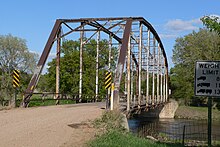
[{"x": 33, "y": 20}]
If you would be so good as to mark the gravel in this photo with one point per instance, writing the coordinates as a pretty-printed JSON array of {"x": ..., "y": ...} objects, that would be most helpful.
[{"x": 49, "y": 126}]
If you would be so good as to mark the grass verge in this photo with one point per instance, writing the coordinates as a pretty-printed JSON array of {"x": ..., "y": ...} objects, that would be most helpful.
[
  {"x": 111, "y": 133},
  {"x": 116, "y": 138}
]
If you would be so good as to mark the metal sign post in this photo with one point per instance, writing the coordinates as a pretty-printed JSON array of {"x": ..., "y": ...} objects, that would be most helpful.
[
  {"x": 209, "y": 121},
  {"x": 207, "y": 83}
]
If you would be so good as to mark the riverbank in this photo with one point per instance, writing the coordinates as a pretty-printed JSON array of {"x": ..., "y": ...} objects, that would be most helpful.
[
  {"x": 110, "y": 131},
  {"x": 125, "y": 139},
  {"x": 198, "y": 113}
]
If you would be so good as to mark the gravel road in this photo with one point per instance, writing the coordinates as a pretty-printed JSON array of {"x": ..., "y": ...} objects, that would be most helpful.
[{"x": 51, "y": 126}]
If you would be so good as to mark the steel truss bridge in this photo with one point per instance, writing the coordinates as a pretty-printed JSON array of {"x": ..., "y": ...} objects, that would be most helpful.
[{"x": 141, "y": 57}]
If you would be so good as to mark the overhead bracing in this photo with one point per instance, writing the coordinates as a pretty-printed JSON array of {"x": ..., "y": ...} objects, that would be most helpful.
[{"x": 139, "y": 47}]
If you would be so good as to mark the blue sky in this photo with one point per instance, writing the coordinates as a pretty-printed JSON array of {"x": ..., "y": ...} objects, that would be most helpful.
[{"x": 33, "y": 20}]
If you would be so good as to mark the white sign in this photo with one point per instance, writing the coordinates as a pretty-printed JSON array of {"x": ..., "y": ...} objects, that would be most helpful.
[{"x": 207, "y": 78}]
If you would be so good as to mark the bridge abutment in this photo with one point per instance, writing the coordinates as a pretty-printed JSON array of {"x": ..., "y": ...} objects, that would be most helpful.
[
  {"x": 161, "y": 111},
  {"x": 169, "y": 109}
]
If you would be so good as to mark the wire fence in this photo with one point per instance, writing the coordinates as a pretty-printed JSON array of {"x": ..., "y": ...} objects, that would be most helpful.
[{"x": 188, "y": 133}]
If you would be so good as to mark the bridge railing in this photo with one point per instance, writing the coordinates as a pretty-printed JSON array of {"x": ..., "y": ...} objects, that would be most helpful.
[{"x": 51, "y": 98}]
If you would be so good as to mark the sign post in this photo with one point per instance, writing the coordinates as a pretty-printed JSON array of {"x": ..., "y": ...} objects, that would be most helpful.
[{"x": 207, "y": 83}]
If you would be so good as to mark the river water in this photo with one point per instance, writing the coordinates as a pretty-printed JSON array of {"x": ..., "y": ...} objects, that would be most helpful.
[{"x": 174, "y": 128}]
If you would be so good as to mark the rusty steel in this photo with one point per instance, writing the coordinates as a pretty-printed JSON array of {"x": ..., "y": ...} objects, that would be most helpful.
[
  {"x": 120, "y": 65},
  {"x": 130, "y": 42},
  {"x": 40, "y": 65}
]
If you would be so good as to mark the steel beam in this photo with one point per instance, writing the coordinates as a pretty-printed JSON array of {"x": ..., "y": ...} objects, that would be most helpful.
[
  {"x": 153, "y": 76},
  {"x": 132, "y": 80},
  {"x": 97, "y": 66},
  {"x": 158, "y": 73},
  {"x": 128, "y": 75},
  {"x": 140, "y": 64},
  {"x": 120, "y": 65},
  {"x": 40, "y": 65},
  {"x": 148, "y": 62},
  {"x": 164, "y": 84},
  {"x": 166, "y": 92},
  {"x": 81, "y": 64},
  {"x": 58, "y": 65}
]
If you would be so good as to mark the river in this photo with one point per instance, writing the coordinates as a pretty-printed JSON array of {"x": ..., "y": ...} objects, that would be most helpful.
[{"x": 173, "y": 129}]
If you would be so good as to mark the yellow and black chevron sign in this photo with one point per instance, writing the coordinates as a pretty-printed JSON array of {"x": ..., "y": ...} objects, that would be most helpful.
[
  {"x": 16, "y": 78},
  {"x": 108, "y": 79}
]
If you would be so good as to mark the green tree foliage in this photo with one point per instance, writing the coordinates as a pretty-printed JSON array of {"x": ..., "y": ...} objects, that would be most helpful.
[
  {"x": 69, "y": 68},
  {"x": 201, "y": 45},
  {"x": 212, "y": 23},
  {"x": 14, "y": 54}
]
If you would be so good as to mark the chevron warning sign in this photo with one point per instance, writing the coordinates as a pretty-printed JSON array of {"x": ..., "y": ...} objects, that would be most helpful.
[
  {"x": 16, "y": 78},
  {"x": 108, "y": 79}
]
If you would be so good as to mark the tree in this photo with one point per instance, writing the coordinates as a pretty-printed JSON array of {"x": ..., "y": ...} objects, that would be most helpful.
[
  {"x": 201, "y": 45},
  {"x": 69, "y": 68},
  {"x": 14, "y": 54},
  {"x": 212, "y": 23}
]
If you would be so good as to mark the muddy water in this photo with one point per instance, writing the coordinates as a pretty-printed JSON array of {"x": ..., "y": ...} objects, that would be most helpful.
[{"x": 174, "y": 128}]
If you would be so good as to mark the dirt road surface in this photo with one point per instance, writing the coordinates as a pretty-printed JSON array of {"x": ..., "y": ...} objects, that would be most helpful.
[{"x": 51, "y": 126}]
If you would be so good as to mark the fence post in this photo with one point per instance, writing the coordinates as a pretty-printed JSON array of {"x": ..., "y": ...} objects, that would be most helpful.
[{"x": 184, "y": 127}]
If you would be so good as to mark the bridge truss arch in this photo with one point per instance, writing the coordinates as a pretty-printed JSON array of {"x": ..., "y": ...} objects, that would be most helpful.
[{"x": 141, "y": 58}]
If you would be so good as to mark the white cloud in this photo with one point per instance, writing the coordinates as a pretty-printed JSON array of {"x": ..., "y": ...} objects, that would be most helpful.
[
  {"x": 167, "y": 36},
  {"x": 52, "y": 55},
  {"x": 35, "y": 52},
  {"x": 214, "y": 16},
  {"x": 181, "y": 25}
]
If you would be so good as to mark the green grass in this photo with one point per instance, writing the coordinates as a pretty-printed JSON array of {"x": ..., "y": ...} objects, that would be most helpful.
[
  {"x": 199, "y": 113},
  {"x": 124, "y": 139},
  {"x": 111, "y": 133},
  {"x": 49, "y": 102}
]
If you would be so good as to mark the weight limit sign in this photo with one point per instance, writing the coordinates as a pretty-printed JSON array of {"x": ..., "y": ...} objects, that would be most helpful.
[{"x": 207, "y": 78}]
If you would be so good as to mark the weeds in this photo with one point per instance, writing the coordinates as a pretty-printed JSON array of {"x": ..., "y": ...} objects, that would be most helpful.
[{"x": 110, "y": 120}]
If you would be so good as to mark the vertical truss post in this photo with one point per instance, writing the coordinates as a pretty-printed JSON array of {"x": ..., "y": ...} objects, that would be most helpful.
[
  {"x": 158, "y": 72},
  {"x": 110, "y": 52},
  {"x": 140, "y": 63},
  {"x": 164, "y": 84},
  {"x": 132, "y": 81},
  {"x": 128, "y": 74},
  {"x": 120, "y": 65},
  {"x": 109, "y": 58},
  {"x": 137, "y": 84},
  {"x": 148, "y": 62},
  {"x": 81, "y": 63},
  {"x": 167, "y": 88},
  {"x": 153, "y": 77},
  {"x": 58, "y": 64},
  {"x": 161, "y": 77},
  {"x": 97, "y": 67}
]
